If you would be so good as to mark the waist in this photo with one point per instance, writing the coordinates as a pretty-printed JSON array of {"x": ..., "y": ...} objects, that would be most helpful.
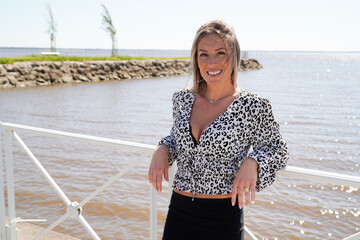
[{"x": 206, "y": 196}]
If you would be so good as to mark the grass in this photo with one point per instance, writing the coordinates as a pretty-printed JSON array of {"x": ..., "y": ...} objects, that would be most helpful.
[{"x": 54, "y": 58}]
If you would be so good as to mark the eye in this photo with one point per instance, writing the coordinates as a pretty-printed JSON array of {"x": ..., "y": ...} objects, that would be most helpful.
[
  {"x": 221, "y": 53},
  {"x": 203, "y": 55}
]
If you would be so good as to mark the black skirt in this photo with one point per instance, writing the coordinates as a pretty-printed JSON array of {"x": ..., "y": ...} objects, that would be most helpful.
[{"x": 204, "y": 219}]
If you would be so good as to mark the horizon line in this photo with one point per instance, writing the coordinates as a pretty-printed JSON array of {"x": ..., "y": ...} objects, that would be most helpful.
[{"x": 152, "y": 49}]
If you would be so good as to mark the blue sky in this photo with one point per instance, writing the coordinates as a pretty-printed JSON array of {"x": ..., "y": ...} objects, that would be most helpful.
[{"x": 297, "y": 25}]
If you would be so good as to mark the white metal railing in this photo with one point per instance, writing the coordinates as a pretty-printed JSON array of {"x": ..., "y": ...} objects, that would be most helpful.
[{"x": 74, "y": 208}]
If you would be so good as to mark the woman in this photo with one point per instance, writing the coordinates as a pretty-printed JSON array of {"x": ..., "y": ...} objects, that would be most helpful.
[{"x": 225, "y": 140}]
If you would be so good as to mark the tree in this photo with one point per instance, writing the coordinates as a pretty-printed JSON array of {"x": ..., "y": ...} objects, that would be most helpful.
[
  {"x": 109, "y": 27},
  {"x": 51, "y": 29}
]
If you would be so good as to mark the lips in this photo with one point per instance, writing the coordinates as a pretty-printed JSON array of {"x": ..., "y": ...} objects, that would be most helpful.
[{"x": 214, "y": 73}]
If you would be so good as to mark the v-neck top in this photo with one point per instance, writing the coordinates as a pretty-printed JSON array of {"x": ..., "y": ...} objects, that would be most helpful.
[{"x": 247, "y": 128}]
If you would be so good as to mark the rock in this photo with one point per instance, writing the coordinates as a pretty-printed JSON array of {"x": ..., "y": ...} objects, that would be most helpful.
[
  {"x": 129, "y": 64},
  {"x": 67, "y": 78},
  {"x": 3, "y": 81},
  {"x": 22, "y": 74},
  {"x": 94, "y": 67},
  {"x": 20, "y": 84},
  {"x": 40, "y": 69},
  {"x": 249, "y": 64},
  {"x": 124, "y": 75},
  {"x": 12, "y": 79},
  {"x": 9, "y": 68},
  {"x": 83, "y": 78},
  {"x": 40, "y": 80},
  {"x": 57, "y": 65},
  {"x": 53, "y": 77},
  {"x": 107, "y": 69},
  {"x": 2, "y": 69},
  {"x": 31, "y": 77}
]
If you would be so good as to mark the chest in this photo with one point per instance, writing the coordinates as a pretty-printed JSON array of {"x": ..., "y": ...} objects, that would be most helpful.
[{"x": 203, "y": 114}]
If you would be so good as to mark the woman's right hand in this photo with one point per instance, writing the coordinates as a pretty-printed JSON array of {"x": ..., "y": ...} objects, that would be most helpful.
[{"x": 159, "y": 167}]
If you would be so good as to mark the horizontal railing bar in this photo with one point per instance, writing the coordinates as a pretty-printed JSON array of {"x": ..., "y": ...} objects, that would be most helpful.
[
  {"x": 78, "y": 137},
  {"x": 303, "y": 173},
  {"x": 321, "y": 176}
]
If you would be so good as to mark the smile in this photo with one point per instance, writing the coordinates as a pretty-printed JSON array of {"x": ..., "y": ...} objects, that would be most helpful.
[{"x": 214, "y": 73}]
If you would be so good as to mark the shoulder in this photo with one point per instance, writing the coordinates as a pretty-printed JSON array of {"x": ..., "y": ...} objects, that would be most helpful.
[
  {"x": 183, "y": 95},
  {"x": 253, "y": 99},
  {"x": 254, "y": 103}
]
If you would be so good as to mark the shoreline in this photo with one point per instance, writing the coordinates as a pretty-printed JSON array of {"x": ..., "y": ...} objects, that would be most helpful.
[{"x": 29, "y": 74}]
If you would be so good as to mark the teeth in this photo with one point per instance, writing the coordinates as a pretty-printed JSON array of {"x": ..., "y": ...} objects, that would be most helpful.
[{"x": 214, "y": 73}]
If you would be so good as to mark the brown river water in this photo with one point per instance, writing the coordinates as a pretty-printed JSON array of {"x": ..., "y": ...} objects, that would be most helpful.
[{"x": 315, "y": 99}]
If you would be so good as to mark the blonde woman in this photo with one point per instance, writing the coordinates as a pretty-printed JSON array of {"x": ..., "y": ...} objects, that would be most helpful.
[{"x": 215, "y": 124}]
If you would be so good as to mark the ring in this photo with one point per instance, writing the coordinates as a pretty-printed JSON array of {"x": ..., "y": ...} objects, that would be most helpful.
[
  {"x": 247, "y": 189},
  {"x": 150, "y": 174}
]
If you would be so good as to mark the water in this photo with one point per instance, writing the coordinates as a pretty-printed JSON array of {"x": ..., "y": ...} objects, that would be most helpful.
[{"x": 315, "y": 98}]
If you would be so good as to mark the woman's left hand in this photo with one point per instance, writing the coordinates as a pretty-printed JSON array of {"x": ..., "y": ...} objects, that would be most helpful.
[{"x": 245, "y": 182}]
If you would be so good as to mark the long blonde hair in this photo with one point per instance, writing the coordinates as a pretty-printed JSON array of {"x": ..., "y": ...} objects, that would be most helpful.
[{"x": 228, "y": 35}]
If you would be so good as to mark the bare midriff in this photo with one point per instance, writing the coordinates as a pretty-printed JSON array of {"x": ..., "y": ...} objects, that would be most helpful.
[{"x": 198, "y": 195}]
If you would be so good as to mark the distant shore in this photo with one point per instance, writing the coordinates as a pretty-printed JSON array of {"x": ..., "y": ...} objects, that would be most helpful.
[{"x": 38, "y": 73}]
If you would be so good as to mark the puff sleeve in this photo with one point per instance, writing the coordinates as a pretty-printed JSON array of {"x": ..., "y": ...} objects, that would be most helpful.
[
  {"x": 170, "y": 140},
  {"x": 269, "y": 149}
]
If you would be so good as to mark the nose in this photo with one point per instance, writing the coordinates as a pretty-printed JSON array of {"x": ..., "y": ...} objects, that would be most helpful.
[{"x": 212, "y": 60}]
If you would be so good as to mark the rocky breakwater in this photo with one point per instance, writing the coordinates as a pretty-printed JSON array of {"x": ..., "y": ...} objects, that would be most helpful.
[{"x": 24, "y": 74}]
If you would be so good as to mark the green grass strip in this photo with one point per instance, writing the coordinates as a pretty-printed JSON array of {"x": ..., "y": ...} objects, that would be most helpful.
[{"x": 54, "y": 58}]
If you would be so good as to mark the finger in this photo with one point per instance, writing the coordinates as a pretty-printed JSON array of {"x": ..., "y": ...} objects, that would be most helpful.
[
  {"x": 158, "y": 182},
  {"x": 240, "y": 197},
  {"x": 150, "y": 176},
  {"x": 253, "y": 193},
  {"x": 247, "y": 195},
  {"x": 166, "y": 174},
  {"x": 233, "y": 194}
]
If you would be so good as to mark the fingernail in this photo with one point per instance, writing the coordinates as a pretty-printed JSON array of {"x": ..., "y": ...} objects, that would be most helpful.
[
  {"x": 240, "y": 207},
  {"x": 232, "y": 203}
]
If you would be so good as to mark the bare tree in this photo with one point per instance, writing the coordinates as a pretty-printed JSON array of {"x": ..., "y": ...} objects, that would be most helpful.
[
  {"x": 109, "y": 27},
  {"x": 51, "y": 29}
]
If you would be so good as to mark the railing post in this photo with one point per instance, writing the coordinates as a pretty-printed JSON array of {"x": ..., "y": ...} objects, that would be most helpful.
[
  {"x": 2, "y": 196},
  {"x": 10, "y": 184},
  {"x": 153, "y": 213}
]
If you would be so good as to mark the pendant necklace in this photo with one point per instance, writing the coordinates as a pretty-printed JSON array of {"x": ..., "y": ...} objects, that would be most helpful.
[{"x": 215, "y": 100}]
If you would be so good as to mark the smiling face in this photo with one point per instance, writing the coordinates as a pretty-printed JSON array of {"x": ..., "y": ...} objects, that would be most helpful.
[{"x": 214, "y": 61}]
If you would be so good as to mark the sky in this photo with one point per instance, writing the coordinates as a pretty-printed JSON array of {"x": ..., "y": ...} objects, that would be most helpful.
[{"x": 270, "y": 25}]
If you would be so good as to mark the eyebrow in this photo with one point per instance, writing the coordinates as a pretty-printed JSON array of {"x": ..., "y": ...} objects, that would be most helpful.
[{"x": 203, "y": 50}]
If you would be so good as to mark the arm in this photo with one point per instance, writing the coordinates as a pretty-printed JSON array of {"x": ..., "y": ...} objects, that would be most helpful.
[
  {"x": 269, "y": 154},
  {"x": 269, "y": 149},
  {"x": 159, "y": 167},
  {"x": 165, "y": 154}
]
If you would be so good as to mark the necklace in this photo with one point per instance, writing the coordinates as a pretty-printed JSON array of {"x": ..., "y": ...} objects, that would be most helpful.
[{"x": 215, "y": 100}]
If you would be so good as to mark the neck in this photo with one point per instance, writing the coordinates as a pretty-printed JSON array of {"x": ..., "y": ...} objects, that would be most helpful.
[{"x": 216, "y": 92}]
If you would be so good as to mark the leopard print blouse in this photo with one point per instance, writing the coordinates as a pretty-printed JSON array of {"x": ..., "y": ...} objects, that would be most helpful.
[{"x": 247, "y": 128}]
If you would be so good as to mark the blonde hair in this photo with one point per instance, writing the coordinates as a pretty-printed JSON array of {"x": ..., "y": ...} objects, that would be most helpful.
[{"x": 228, "y": 35}]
